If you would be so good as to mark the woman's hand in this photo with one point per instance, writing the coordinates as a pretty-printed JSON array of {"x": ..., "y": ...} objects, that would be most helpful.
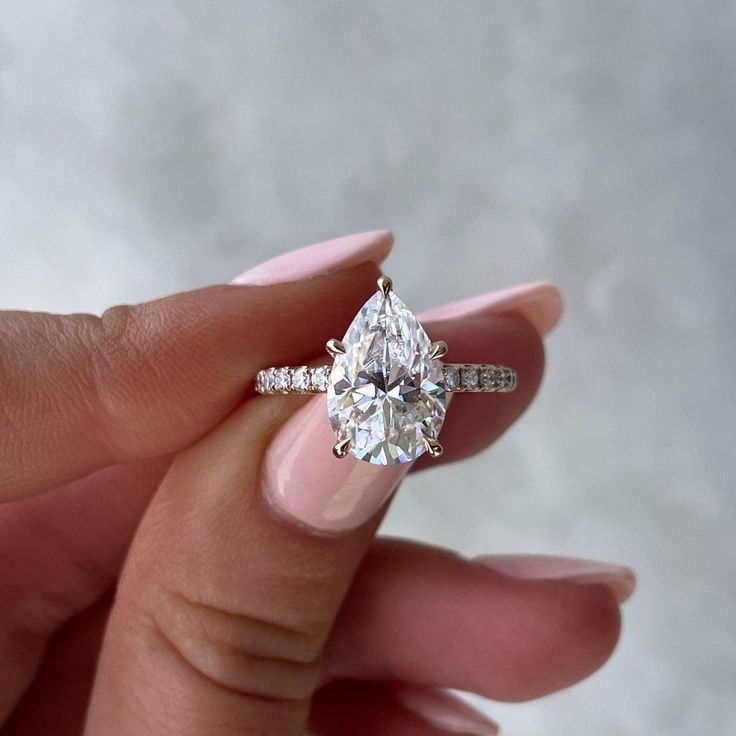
[{"x": 181, "y": 556}]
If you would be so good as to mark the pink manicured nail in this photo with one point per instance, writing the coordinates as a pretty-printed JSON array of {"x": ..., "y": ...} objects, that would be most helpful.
[
  {"x": 539, "y": 302},
  {"x": 304, "y": 481},
  {"x": 320, "y": 259},
  {"x": 619, "y": 578},
  {"x": 444, "y": 711}
]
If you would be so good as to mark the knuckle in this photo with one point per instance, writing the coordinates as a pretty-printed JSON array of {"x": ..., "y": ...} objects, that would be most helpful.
[
  {"x": 258, "y": 658},
  {"x": 85, "y": 371},
  {"x": 117, "y": 342},
  {"x": 115, "y": 326},
  {"x": 113, "y": 365}
]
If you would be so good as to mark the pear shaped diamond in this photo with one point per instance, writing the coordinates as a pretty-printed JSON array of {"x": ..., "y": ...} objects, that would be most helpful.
[{"x": 385, "y": 394}]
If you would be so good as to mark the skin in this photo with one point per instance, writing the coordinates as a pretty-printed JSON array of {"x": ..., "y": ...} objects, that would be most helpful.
[{"x": 148, "y": 587}]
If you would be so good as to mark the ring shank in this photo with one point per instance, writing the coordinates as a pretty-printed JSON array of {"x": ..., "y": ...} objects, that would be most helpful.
[{"x": 458, "y": 378}]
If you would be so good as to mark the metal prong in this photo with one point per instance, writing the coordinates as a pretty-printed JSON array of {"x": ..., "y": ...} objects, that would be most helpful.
[
  {"x": 335, "y": 347},
  {"x": 385, "y": 285},
  {"x": 341, "y": 449},
  {"x": 438, "y": 349},
  {"x": 434, "y": 448}
]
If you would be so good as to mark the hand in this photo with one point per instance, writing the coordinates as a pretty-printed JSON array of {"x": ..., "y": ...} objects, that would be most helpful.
[{"x": 181, "y": 556}]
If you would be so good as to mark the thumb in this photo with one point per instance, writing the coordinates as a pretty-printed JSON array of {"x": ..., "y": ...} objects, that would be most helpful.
[{"x": 224, "y": 608}]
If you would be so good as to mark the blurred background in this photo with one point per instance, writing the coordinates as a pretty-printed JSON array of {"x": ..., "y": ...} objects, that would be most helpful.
[{"x": 152, "y": 146}]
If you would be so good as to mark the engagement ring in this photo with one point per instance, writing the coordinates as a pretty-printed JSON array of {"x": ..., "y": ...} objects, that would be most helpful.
[{"x": 386, "y": 389}]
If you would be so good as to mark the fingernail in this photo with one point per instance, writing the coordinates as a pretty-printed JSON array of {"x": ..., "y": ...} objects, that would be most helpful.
[
  {"x": 303, "y": 481},
  {"x": 320, "y": 259},
  {"x": 444, "y": 711},
  {"x": 540, "y": 302},
  {"x": 620, "y": 579}
]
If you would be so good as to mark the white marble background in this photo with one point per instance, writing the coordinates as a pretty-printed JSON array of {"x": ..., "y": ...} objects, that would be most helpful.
[{"x": 149, "y": 146}]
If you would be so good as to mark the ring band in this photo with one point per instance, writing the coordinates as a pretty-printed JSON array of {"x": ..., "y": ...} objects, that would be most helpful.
[
  {"x": 386, "y": 389},
  {"x": 459, "y": 378}
]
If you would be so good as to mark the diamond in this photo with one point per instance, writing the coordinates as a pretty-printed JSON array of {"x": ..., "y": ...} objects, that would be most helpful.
[
  {"x": 319, "y": 378},
  {"x": 508, "y": 378},
  {"x": 385, "y": 394},
  {"x": 489, "y": 377},
  {"x": 268, "y": 379},
  {"x": 300, "y": 378},
  {"x": 281, "y": 379},
  {"x": 470, "y": 377},
  {"x": 452, "y": 377}
]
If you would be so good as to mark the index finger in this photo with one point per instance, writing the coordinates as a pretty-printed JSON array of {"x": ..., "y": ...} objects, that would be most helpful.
[{"x": 81, "y": 392}]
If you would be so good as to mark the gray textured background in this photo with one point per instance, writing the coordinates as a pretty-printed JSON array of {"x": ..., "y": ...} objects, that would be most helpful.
[{"x": 147, "y": 147}]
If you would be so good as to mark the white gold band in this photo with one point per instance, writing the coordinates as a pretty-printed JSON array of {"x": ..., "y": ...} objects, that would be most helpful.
[{"x": 459, "y": 378}]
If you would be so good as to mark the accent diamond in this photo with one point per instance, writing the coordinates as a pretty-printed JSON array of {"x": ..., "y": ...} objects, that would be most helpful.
[
  {"x": 268, "y": 379},
  {"x": 319, "y": 378},
  {"x": 489, "y": 378},
  {"x": 300, "y": 378},
  {"x": 385, "y": 394},
  {"x": 281, "y": 379},
  {"x": 452, "y": 377},
  {"x": 470, "y": 377}
]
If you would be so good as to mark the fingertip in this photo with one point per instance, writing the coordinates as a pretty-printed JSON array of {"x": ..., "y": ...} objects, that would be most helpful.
[
  {"x": 546, "y": 310},
  {"x": 540, "y": 302},
  {"x": 597, "y": 625},
  {"x": 578, "y": 629}
]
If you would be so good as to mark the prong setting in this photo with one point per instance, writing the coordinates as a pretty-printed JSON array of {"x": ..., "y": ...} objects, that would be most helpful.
[
  {"x": 341, "y": 449},
  {"x": 385, "y": 285},
  {"x": 335, "y": 347},
  {"x": 438, "y": 349},
  {"x": 434, "y": 448}
]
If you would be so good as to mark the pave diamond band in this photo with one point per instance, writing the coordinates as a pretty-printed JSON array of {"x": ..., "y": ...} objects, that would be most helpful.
[
  {"x": 458, "y": 378},
  {"x": 293, "y": 380},
  {"x": 386, "y": 390},
  {"x": 478, "y": 377}
]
